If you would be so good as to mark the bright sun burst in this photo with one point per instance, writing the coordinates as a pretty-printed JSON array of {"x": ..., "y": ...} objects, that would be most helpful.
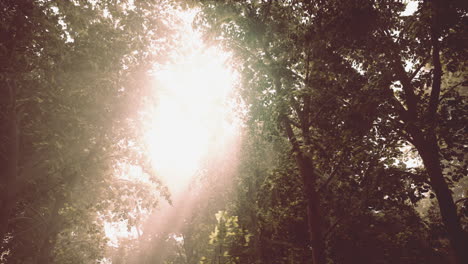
[{"x": 190, "y": 115}]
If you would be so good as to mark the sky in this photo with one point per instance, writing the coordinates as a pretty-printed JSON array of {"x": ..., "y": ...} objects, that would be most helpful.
[{"x": 411, "y": 7}]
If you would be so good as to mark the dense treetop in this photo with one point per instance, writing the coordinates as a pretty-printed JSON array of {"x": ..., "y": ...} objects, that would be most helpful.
[{"x": 353, "y": 145}]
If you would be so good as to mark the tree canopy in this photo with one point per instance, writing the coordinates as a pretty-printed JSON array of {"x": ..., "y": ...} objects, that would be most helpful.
[{"x": 352, "y": 147}]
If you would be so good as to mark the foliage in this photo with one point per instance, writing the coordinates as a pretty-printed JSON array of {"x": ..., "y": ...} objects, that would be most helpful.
[
  {"x": 337, "y": 93},
  {"x": 73, "y": 73},
  {"x": 228, "y": 240},
  {"x": 348, "y": 85}
]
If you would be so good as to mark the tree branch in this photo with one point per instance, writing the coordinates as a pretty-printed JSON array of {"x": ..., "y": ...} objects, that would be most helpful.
[
  {"x": 437, "y": 75},
  {"x": 416, "y": 71},
  {"x": 290, "y": 133},
  {"x": 401, "y": 74},
  {"x": 449, "y": 90},
  {"x": 332, "y": 174},
  {"x": 461, "y": 200},
  {"x": 408, "y": 89}
]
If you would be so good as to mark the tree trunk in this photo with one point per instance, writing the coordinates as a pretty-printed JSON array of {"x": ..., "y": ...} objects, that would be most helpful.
[
  {"x": 314, "y": 220},
  {"x": 314, "y": 215},
  {"x": 429, "y": 152},
  {"x": 10, "y": 167}
]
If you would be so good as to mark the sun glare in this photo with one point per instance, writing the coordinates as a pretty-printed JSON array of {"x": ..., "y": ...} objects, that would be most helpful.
[{"x": 191, "y": 111}]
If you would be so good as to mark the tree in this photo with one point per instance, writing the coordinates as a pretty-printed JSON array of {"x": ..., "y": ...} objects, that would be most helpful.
[
  {"x": 300, "y": 59},
  {"x": 69, "y": 71},
  {"x": 428, "y": 44}
]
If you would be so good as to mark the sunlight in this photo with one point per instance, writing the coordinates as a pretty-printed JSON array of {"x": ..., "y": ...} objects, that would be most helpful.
[
  {"x": 117, "y": 230},
  {"x": 411, "y": 7},
  {"x": 190, "y": 118},
  {"x": 191, "y": 111}
]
